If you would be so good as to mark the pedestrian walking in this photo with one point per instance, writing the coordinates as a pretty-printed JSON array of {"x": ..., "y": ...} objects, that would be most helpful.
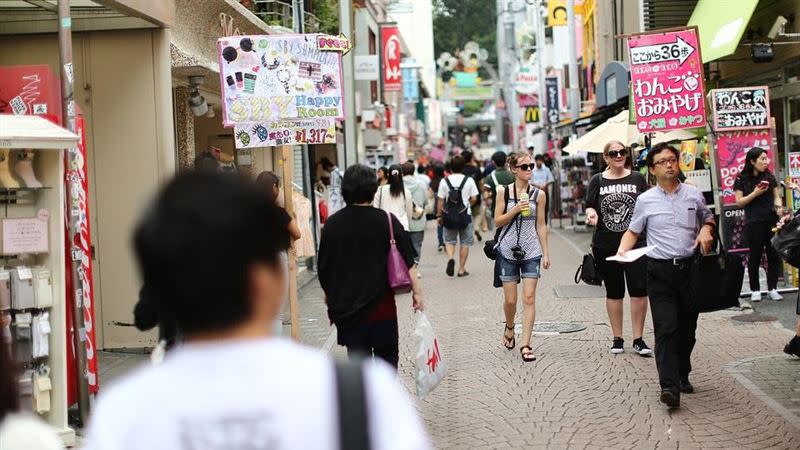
[
  {"x": 610, "y": 202},
  {"x": 436, "y": 180},
  {"x": 393, "y": 197},
  {"x": 501, "y": 176},
  {"x": 457, "y": 194},
  {"x": 677, "y": 221},
  {"x": 542, "y": 178},
  {"x": 383, "y": 175},
  {"x": 353, "y": 270},
  {"x": 757, "y": 191},
  {"x": 18, "y": 430},
  {"x": 271, "y": 185},
  {"x": 522, "y": 249},
  {"x": 473, "y": 170},
  {"x": 209, "y": 250},
  {"x": 418, "y": 191}
]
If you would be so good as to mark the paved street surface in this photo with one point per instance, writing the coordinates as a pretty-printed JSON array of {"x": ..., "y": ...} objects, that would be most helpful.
[{"x": 577, "y": 395}]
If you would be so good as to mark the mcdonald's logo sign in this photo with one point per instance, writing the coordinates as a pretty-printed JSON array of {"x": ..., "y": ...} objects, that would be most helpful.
[{"x": 532, "y": 114}]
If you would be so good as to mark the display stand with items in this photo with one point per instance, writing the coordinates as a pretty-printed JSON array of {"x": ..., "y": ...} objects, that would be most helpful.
[{"x": 32, "y": 261}]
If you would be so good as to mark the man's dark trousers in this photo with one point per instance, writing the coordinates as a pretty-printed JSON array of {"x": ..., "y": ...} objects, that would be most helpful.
[{"x": 674, "y": 322}]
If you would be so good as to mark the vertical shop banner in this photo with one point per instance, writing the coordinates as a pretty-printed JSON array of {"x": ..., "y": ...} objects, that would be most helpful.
[
  {"x": 667, "y": 80},
  {"x": 77, "y": 171},
  {"x": 794, "y": 175},
  {"x": 731, "y": 152},
  {"x": 279, "y": 77},
  {"x": 390, "y": 61},
  {"x": 410, "y": 85},
  {"x": 744, "y": 108},
  {"x": 551, "y": 90}
]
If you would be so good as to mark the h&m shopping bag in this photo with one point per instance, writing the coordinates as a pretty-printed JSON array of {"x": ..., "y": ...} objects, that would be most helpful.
[{"x": 430, "y": 366}]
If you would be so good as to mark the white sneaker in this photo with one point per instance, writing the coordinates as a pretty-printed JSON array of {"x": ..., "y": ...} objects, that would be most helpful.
[
  {"x": 755, "y": 296},
  {"x": 774, "y": 295}
]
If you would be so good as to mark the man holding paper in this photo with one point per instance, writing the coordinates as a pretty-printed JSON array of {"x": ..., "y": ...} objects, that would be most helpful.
[{"x": 677, "y": 222}]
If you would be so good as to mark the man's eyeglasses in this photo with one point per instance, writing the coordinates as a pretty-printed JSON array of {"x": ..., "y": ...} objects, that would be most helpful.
[
  {"x": 670, "y": 161},
  {"x": 617, "y": 153},
  {"x": 526, "y": 167}
]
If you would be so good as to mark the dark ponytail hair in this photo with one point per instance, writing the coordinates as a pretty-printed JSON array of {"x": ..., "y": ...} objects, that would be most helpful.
[
  {"x": 269, "y": 181},
  {"x": 749, "y": 168},
  {"x": 396, "y": 180}
]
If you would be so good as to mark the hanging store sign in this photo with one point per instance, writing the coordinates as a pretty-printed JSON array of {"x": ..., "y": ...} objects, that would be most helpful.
[
  {"x": 551, "y": 91},
  {"x": 731, "y": 153},
  {"x": 532, "y": 114},
  {"x": 390, "y": 62},
  {"x": 794, "y": 174},
  {"x": 367, "y": 68},
  {"x": 285, "y": 132},
  {"x": 526, "y": 82},
  {"x": 339, "y": 43},
  {"x": 744, "y": 108},
  {"x": 266, "y": 78},
  {"x": 667, "y": 80}
]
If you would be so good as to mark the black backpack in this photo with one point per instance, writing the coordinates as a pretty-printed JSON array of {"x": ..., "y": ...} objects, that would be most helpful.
[{"x": 455, "y": 216}]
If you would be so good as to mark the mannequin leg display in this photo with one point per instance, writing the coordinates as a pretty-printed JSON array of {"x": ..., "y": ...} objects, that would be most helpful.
[
  {"x": 6, "y": 179},
  {"x": 24, "y": 169}
]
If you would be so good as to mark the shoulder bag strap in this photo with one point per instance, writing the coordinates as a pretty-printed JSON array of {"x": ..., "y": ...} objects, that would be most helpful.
[
  {"x": 391, "y": 228},
  {"x": 380, "y": 197},
  {"x": 463, "y": 183},
  {"x": 352, "y": 405},
  {"x": 449, "y": 184},
  {"x": 494, "y": 178}
]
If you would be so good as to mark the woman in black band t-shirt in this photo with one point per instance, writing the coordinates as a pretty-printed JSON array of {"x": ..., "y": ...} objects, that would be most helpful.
[
  {"x": 610, "y": 200},
  {"x": 758, "y": 193}
]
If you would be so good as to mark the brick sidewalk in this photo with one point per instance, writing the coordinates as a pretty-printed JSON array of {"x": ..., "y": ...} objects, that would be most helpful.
[{"x": 577, "y": 395}]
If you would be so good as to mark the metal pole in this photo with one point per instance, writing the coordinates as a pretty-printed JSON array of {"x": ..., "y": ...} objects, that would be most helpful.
[
  {"x": 540, "y": 48},
  {"x": 75, "y": 253},
  {"x": 574, "y": 91},
  {"x": 349, "y": 155}
]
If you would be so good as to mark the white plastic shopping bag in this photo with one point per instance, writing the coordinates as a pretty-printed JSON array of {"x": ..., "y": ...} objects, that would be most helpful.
[{"x": 430, "y": 366}]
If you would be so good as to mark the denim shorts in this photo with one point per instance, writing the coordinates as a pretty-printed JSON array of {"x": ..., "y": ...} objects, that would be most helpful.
[
  {"x": 510, "y": 270},
  {"x": 466, "y": 236}
]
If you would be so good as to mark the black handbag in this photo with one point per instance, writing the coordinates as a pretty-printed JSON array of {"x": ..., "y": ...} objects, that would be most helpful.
[
  {"x": 787, "y": 242},
  {"x": 587, "y": 272},
  {"x": 716, "y": 281}
]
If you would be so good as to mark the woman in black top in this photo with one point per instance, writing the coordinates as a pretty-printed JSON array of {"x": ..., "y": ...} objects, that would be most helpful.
[
  {"x": 758, "y": 193},
  {"x": 353, "y": 272},
  {"x": 610, "y": 200}
]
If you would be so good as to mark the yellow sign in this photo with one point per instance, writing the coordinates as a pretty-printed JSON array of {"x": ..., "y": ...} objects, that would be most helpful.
[
  {"x": 688, "y": 155},
  {"x": 557, "y": 12},
  {"x": 531, "y": 114}
]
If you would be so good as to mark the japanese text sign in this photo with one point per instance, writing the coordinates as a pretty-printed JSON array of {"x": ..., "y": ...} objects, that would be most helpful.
[
  {"x": 744, "y": 108},
  {"x": 285, "y": 132},
  {"x": 731, "y": 152},
  {"x": 667, "y": 80},
  {"x": 266, "y": 78},
  {"x": 390, "y": 51},
  {"x": 551, "y": 89}
]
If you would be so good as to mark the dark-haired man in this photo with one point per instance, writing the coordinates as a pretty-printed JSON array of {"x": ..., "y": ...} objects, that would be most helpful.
[
  {"x": 677, "y": 221},
  {"x": 542, "y": 178},
  {"x": 455, "y": 183},
  {"x": 501, "y": 176},
  {"x": 209, "y": 253}
]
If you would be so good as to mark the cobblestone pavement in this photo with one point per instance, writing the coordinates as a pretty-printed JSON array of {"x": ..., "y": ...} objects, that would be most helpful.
[{"x": 577, "y": 395}]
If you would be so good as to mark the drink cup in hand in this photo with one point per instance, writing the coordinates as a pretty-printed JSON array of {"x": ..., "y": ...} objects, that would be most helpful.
[{"x": 524, "y": 205}]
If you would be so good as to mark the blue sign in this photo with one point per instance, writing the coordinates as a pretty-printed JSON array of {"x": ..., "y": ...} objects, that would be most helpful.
[{"x": 410, "y": 85}]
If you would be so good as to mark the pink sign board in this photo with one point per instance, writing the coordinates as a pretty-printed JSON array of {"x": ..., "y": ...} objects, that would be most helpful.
[
  {"x": 667, "y": 80},
  {"x": 25, "y": 236},
  {"x": 731, "y": 151}
]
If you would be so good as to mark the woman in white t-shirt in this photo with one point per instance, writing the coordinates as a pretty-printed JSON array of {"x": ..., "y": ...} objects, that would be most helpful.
[{"x": 393, "y": 197}]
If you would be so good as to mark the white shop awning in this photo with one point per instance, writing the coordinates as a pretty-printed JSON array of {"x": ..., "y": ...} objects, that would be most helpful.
[{"x": 34, "y": 132}]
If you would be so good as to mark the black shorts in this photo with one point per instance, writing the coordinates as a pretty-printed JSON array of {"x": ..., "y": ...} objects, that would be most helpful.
[{"x": 615, "y": 275}]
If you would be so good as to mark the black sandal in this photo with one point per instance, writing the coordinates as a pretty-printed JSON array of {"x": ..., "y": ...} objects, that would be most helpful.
[
  {"x": 527, "y": 357},
  {"x": 509, "y": 342}
]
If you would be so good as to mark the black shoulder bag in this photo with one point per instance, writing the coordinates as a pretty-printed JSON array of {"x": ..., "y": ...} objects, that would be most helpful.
[
  {"x": 716, "y": 281},
  {"x": 490, "y": 246},
  {"x": 587, "y": 270},
  {"x": 352, "y": 405}
]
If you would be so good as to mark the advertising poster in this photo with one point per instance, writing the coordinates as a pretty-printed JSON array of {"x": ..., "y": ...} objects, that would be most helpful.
[
  {"x": 390, "y": 63},
  {"x": 731, "y": 152},
  {"x": 274, "y": 77},
  {"x": 285, "y": 132},
  {"x": 667, "y": 80},
  {"x": 733, "y": 229},
  {"x": 744, "y": 108},
  {"x": 688, "y": 155},
  {"x": 31, "y": 90}
]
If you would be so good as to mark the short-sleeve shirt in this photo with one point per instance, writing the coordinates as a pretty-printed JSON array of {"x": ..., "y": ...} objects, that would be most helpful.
[
  {"x": 762, "y": 208},
  {"x": 542, "y": 176},
  {"x": 614, "y": 201},
  {"x": 672, "y": 220},
  {"x": 470, "y": 188},
  {"x": 503, "y": 176}
]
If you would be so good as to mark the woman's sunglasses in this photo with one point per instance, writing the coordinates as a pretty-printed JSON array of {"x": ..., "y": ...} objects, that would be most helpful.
[
  {"x": 617, "y": 153},
  {"x": 526, "y": 167}
]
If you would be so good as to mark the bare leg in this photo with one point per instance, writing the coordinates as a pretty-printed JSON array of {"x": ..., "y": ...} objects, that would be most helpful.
[
  {"x": 529, "y": 311},
  {"x": 510, "y": 303},
  {"x": 614, "y": 308},
  {"x": 451, "y": 250},
  {"x": 638, "y": 314},
  {"x": 462, "y": 261}
]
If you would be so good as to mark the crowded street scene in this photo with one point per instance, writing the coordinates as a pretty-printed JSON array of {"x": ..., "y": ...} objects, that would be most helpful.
[{"x": 399, "y": 224}]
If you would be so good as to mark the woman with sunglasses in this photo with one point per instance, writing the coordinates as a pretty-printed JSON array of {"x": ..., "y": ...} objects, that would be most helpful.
[
  {"x": 610, "y": 200},
  {"x": 521, "y": 249}
]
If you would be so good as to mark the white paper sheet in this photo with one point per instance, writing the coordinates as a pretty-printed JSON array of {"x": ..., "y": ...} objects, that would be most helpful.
[{"x": 632, "y": 255}]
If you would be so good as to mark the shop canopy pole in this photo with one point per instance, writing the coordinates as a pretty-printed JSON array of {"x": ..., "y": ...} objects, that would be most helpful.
[
  {"x": 73, "y": 187},
  {"x": 287, "y": 158}
]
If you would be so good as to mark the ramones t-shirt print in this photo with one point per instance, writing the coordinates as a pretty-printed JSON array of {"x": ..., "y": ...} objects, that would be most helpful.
[{"x": 614, "y": 201}]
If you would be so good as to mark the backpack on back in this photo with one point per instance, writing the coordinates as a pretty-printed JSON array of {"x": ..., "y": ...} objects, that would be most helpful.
[{"x": 455, "y": 216}]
